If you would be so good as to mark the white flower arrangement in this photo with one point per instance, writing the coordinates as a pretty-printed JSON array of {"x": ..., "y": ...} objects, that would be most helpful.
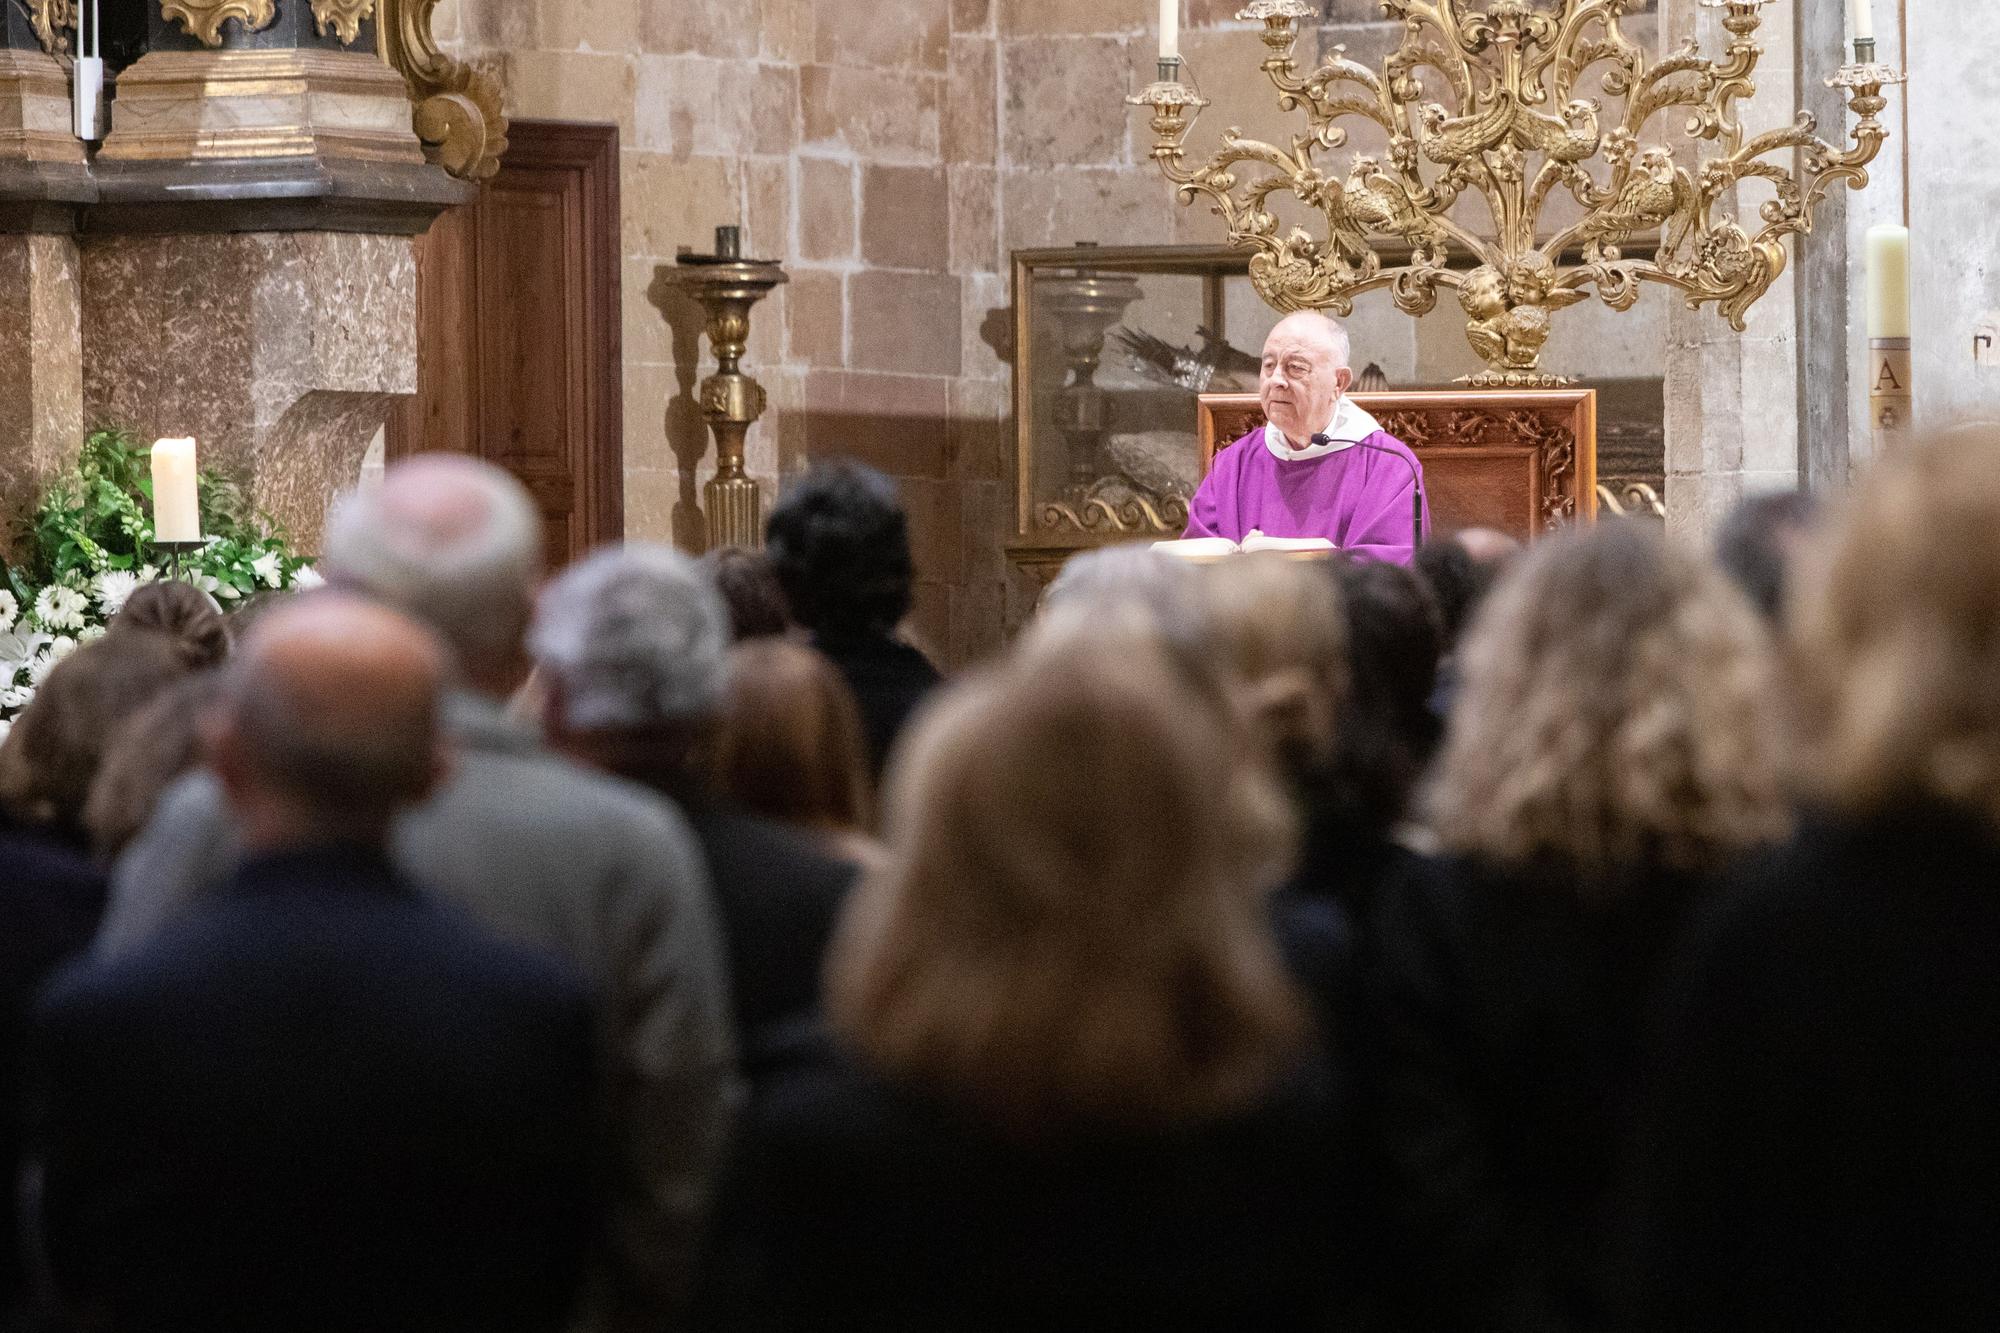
[{"x": 90, "y": 547}]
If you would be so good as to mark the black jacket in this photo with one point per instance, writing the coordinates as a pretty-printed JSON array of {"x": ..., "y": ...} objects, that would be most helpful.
[
  {"x": 50, "y": 902},
  {"x": 1502, "y": 1048},
  {"x": 317, "y": 1102},
  {"x": 890, "y": 681},
  {"x": 1825, "y": 1148},
  {"x": 878, "y": 1208}
]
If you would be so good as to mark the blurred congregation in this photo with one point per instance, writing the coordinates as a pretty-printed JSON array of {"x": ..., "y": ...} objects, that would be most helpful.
[{"x": 1597, "y": 935}]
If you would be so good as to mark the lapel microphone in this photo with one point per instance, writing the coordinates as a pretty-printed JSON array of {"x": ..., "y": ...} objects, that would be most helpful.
[{"x": 1416, "y": 483}]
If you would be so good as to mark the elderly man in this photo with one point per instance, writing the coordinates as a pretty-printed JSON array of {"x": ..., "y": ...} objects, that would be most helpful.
[
  {"x": 599, "y": 871},
  {"x": 319, "y": 1100},
  {"x": 1323, "y": 467}
]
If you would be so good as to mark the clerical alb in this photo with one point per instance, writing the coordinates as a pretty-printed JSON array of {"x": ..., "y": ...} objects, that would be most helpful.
[{"x": 1322, "y": 467}]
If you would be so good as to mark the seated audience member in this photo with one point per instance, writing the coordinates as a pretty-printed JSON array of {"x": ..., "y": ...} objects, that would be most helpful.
[
  {"x": 1613, "y": 750},
  {"x": 1072, "y": 1085},
  {"x": 56, "y": 746},
  {"x": 318, "y": 1101},
  {"x": 1759, "y": 541},
  {"x": 1460, "y": 571},
  {"x": 790, "y": 746},
  {"x": 543, "y": 851},
  {"x": 840, "y": 546},
  {"x": 1822, "y": 1151},
  {"x": 634, "y": 645},
  {"x": 751, "y": 591},
  {"x": 147, "y": 753},
  {"x": 1384, "y": 736},
  {"x": 1130, "y": 573}
]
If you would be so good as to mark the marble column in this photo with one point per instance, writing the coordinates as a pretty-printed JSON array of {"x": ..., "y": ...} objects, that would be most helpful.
[{"x": 1732, "y": 399}]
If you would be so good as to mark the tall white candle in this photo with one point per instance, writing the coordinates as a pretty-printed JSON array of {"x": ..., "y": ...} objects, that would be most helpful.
[
  {"x": 1888, "y": 281},
  {"x": 1170, "y": 29},
  {"x": 176, "y": 501},
  {"x": 1861, "y": 20}
]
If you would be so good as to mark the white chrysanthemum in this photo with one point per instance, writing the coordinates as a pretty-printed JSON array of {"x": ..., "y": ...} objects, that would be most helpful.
[
  {"x": 267, "y": 568},
  {"x": 39, "y": 667},
  {"x": 10, "y": 610},
  {"x": 307, "y": 579},
  {"x": 59, "y": 608},
  {"x": 17, "y": 649},
  {"x": 113, "y": 587}
]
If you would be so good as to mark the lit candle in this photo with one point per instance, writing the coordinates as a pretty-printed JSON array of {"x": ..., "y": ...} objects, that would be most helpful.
[
  {"x": 1861, "y": 20},
  {"x": 176, "y": 502},
  {"x": 1170, "y": 29},
  {"x": 1888, "y": 281}
]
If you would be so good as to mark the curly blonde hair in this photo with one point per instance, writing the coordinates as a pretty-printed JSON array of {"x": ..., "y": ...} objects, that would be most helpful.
[
  {"x": 1276, "y": 625},
  {"x": 1068, "y": 927},
  {"x": 1895, "y": 643},
  {"x": 1616, "y": 712}
]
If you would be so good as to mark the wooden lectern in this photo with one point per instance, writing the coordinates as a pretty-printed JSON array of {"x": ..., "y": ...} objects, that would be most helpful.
[{"x": 1520, "y": 460}]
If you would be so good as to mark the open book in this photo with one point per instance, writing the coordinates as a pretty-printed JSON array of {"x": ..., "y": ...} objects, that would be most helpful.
[{"x": 1203, "y": 549}]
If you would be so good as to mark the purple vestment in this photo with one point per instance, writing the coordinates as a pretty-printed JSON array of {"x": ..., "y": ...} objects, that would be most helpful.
[{"x": 1357, "y": 497}]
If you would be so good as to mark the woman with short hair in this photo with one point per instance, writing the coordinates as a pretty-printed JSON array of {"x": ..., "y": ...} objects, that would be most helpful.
[{"x": 1613, "y": 750}]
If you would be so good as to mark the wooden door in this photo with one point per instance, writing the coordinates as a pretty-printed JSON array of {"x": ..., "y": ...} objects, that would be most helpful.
[{"x": 519, "y": 321}]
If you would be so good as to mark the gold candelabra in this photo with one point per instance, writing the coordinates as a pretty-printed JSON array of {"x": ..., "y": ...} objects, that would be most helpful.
[
  {"x": 1515, "y": 130},
  {"x": 727, "y": 286}
]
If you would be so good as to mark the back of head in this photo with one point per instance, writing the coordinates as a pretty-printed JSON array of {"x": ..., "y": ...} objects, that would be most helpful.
[
  {"x": 327, "y": 723},
  {"x": 143, "y": 757},
  {"x": 1387, "y": 732},
  {"x": 452, "y": 542},
  {"x": 750, "y": 589},
  {"x": 1617, "y": 715},
  {"x": 1758, "y": 541},
  {"x": 1129, "y": 574},
  {"x": 1460, "y": 571},
  {"x": 181, "y": 611},
  {"x": 53, "y": 753},
  {"x": 1896, "y": 636},
  {"x": 840, "y": 546},
  {"x": 632, "y": 639},
  {"x": 1277, "y": 626},
  {"x": 791, "y": 746},
  {"x": 1075, "y": 867}
]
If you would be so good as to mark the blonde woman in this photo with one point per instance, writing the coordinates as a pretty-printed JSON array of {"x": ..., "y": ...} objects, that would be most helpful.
[
  {"x": 1612, "y": 750},
  {"x": 1072, "y": 1083},
  {"x": 1823, "y": 1154}
]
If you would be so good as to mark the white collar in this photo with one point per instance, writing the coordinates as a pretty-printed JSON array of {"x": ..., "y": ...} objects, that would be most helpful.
[{"x": 1351, "y": 425}]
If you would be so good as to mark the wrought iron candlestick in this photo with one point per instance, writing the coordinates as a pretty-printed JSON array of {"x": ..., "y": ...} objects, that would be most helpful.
[
  {"x": 728, "y": 285},
  {"x": 1516, "y": 127}
]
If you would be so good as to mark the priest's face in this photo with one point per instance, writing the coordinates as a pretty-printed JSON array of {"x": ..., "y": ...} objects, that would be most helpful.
[{"x": 1305, "y": 372}]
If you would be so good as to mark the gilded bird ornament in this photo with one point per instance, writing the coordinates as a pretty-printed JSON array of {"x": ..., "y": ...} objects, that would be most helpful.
[
  {"x": 1652, "y": 194},
  {"x": 1449, "y": 140},
  {"x": 1380, "y": 204},
  {"x": 1570, "y": 137}
]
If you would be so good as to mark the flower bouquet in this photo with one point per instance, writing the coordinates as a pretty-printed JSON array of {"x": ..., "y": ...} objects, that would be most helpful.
[{"x": 89, "y": 543}]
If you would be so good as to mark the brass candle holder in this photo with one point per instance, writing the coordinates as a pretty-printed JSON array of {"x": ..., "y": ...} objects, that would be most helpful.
[{"x": 727, "y": 286}]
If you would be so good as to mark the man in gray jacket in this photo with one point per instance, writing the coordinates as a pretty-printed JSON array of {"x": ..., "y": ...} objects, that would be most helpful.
[{"x": 595, "y": 870}]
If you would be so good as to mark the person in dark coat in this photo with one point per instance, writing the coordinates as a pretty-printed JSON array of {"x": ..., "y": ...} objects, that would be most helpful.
[
  {"x": 840, "y": 545},
  {"x": 1068, "y": 1082},
  {"x": 633, "y": 645},
  {"x": 320, "y": 1100},
  {"x": 1821, "y": 1153},
  {"x": 1612, "y": 751},
  {"x": 49, "y": 909}
]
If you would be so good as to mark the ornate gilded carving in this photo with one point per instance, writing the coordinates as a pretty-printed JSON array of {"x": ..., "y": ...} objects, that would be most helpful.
[
  {"x": 203, "y": 19},
  {"x": 459, "y": 115},
  {"x": 49, "y": 18},
  {"x": 1517, "y": 125},
  {"x": 1136, "y": 514},
  {"x": 342, "y": 17}
]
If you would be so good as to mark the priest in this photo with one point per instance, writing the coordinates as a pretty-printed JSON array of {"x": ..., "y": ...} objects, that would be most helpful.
[{"x": 1322, "y": 467}]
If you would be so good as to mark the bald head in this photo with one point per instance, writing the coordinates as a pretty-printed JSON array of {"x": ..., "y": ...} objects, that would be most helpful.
[
  {"x": 1303, "y": 375},
  {"x": 329, "y": 724},
  {"x": 454, "y": 543},
  {"x": 1488, "y": 546}
]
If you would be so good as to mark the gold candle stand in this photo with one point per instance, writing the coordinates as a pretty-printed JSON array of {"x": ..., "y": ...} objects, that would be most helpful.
[{"x": 727, "y": 286}]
